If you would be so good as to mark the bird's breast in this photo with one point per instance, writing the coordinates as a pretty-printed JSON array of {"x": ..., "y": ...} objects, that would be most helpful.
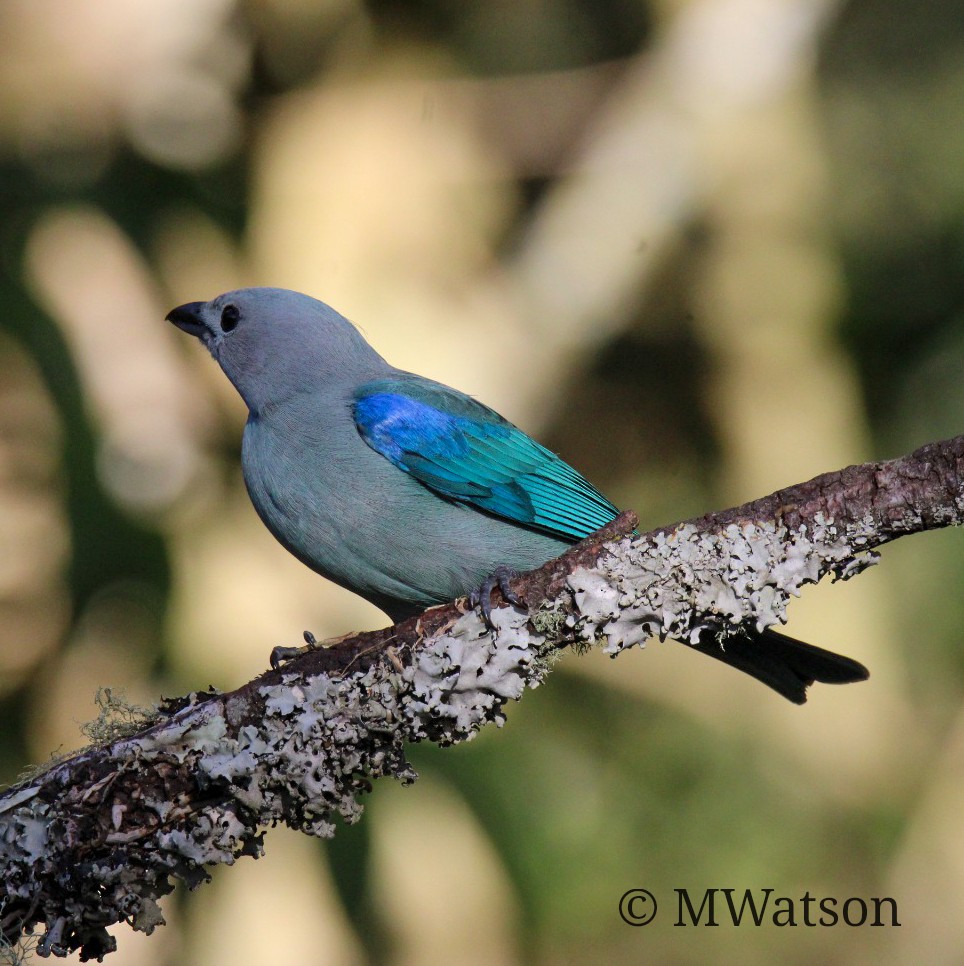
[{"x": 350, "y": 514}]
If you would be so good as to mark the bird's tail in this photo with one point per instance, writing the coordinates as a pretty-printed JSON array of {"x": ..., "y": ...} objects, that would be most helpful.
[{"x": 784, "y": 664}]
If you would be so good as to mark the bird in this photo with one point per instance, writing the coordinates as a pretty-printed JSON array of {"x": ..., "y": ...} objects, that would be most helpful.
[{"x": 406, "y": 491}]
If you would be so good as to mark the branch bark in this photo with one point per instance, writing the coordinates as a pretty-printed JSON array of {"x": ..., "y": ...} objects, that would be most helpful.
[{"x": 99, "y": 838}]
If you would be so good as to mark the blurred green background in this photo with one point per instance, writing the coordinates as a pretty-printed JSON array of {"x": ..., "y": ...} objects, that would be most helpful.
[{"x": 703, "y": 248}]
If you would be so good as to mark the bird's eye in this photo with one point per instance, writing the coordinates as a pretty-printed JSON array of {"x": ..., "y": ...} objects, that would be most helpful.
[{"x": 229, "y": 317}]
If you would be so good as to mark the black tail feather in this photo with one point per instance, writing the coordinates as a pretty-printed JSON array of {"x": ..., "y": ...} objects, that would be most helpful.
[{"x": 784, "y": 664}]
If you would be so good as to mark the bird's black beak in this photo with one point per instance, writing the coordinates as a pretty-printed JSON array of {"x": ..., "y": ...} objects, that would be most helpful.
[{"x": 188, "y": 318}]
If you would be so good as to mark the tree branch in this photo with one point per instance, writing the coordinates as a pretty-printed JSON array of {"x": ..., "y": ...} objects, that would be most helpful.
[{"x": 98, "y": 838}]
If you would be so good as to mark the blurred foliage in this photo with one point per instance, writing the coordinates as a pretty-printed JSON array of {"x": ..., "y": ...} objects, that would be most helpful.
[
  {"x": 529, "y": 36},
  {"x": 702, "y": 248}
]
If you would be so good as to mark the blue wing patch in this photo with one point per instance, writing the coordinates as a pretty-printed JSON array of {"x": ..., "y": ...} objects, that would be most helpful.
[{"x": 465, "y": 451}]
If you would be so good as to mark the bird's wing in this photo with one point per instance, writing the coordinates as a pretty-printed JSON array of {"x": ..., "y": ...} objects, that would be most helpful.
[{"x": 465, "y": 451}]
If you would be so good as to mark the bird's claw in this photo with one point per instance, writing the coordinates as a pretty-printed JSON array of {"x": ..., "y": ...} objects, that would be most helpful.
[
  {"x": 482, "y": 596},
  {"x": 282, "y": 655}
]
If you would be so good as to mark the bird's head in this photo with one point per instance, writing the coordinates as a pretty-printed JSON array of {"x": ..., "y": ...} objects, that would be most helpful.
[{"x": 272, "y": 342}]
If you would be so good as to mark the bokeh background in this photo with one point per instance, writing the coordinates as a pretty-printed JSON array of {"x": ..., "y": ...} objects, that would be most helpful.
[{"x": 702, "y": 248}]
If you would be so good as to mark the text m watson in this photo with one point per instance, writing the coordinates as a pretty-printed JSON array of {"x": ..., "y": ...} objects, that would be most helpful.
[{"x": 756, "y": 907}]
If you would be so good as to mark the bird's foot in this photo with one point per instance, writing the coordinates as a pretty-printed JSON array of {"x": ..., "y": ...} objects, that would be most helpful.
[
  {"x": 500, "y": 577},
  {"x": 282, "y": 655}
]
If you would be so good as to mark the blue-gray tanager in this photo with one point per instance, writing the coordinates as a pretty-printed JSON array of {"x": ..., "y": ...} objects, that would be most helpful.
[{"x": 404, "y": 490}]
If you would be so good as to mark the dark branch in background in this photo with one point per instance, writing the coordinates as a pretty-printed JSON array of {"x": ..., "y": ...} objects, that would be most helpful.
[{"x": 97, "y": 839}]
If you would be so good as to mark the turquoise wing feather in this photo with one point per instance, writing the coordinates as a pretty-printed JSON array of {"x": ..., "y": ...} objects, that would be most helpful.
[{"x": 465, "y": 451}]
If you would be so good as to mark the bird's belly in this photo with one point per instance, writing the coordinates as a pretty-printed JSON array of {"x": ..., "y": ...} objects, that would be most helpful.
[{"x": 349, "y": 514}]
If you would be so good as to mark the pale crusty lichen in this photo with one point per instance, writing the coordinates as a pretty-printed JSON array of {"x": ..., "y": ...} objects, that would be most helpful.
[
  {"x": 463, "y": 679},
  {"x": 683, "y": 583}
]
